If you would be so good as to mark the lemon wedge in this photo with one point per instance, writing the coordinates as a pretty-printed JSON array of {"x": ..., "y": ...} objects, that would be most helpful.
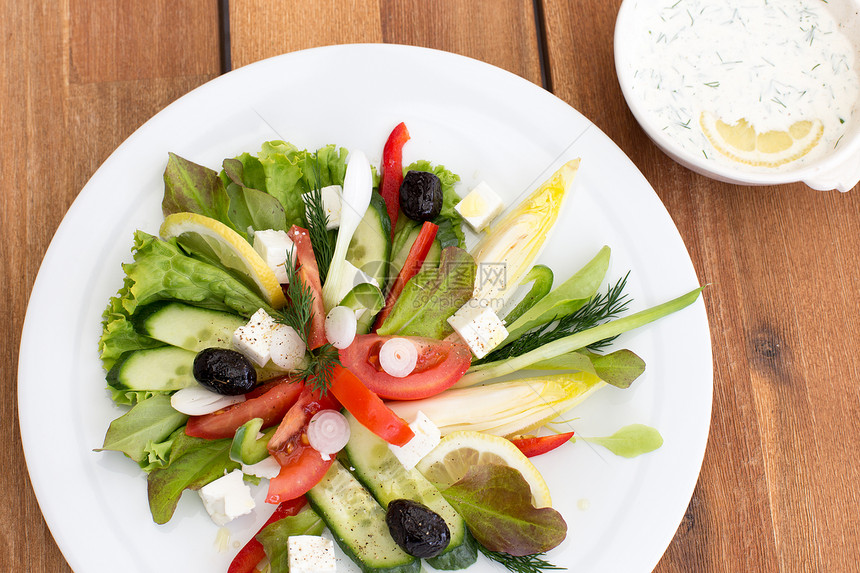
[
  {"x": 743, "y": 144},
  {"x": 216, "y": 240},
  {"x": 449, "y": 461}
]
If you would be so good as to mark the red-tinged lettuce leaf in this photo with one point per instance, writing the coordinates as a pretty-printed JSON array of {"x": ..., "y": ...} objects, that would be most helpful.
[
  {"x": 193, "y": 188},
  {"x": 495, "y": 502},
  {"x": 194, "y": 463}
]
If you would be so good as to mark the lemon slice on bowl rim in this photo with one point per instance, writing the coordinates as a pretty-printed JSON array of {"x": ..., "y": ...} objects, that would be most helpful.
[
  {"x": 449, "y": 461},
  {"x": 223, "y": 243},
  {"x": 740, "y": 141}
]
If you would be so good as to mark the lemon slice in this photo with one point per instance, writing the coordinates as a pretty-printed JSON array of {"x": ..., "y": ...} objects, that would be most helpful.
[
  {"x": 457, "y": 452},
  {"x": 217, "y": 240},
  {"x": 743, "y": 144}
]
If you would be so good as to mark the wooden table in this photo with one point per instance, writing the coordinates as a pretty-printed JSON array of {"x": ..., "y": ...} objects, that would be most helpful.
[{"x": 777, "y": 488}]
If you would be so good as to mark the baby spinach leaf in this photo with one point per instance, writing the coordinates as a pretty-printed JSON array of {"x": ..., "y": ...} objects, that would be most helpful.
[
  {"x": 630, "y": 441},
  {"x": 619, "y": 368},
  {"x": 495, "y": 502}
]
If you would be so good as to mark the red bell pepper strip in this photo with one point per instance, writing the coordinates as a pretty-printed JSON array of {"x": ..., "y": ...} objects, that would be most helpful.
[
  {"x": 536, "y": 445},
  {"x": 271, "y": 406},
  {"x": 411, "y": 266},
  {"x": 309, "y": 274},
  {"x": 368, "y": 408},
  {"x": 392, "y": 171},
  {"x": 252, "y": 553}
]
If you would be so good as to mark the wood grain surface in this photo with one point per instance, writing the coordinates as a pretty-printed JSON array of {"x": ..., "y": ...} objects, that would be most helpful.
[{"x": 777, "y": 488}]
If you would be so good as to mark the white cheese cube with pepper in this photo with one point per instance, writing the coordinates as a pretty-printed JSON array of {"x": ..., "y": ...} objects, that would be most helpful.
[
  {"x": 479, "y": 327},
  {"x": 276, "y": 248},
  {"x": 427, "y": 436},
  {"x": 480, "y": 206},
  {"x": 310, "y": 554},
  {"x": 254, "y": 340},
  {"x": 331, "y": 203},
  {"x": 227, "y": 498}
]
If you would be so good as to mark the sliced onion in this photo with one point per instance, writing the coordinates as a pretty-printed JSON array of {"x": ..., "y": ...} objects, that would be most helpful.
[
  {"x": 198, "y": 401},
  {"x": 340, "y": 326},
  {"x": 398, "y": 357},
  {"x": 328, "y": 432},
  {"x": 287, "y": 347}
]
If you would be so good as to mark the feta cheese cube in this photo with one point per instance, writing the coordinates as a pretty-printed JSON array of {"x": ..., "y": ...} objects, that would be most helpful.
[
  {"x": 332, "y": 204},
  {"x": 480, "y": 206},
  {"x": 254, "y": 340},
  {"x": 427, "y": 436},
  {"x": 310, "y": 554},
  {"x": 268, "y": 468},
  {"x": 276, "y": 248},
  {"x": 227, "y": 498},
  {"x": 478, "y": 326}
]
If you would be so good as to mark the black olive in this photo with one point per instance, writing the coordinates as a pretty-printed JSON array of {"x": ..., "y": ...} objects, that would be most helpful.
[
  {"x": 224, "y": 371},
  {"x": 421, "y": 196},
  {"x": 417, "y": 529}
]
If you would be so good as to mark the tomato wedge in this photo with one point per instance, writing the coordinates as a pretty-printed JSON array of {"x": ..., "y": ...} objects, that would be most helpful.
[
  {"x": 368, "y": 408},
  {"x": 271, "y": 406},
  {"x": 392, "y": 171},
  {"x": 411, "y": 266},
  {"x": 300, "y": 471},
  {"x": 252, "y": 553},
  {"x": 292, "y": 432},
  {"x": 440, "y": 364},
  {"x": 537, "y": 445},
  {"x": 309, "y": 274}
]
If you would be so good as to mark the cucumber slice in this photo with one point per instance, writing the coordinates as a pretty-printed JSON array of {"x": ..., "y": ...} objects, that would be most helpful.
[
  {"x": 189, "y": 327},
  {"x": 385, "y": 477},
  {"x": 162, "y": 369},
  {"x": 370, "y": 247},
  {"x": 357, "y": 523}
]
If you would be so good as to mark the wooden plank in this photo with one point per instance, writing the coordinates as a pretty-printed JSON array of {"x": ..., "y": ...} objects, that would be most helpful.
[
  {"x": 775, "y": 491},
  {"x": 501, "y": 33},
  {"x": 78, "y": 77}
]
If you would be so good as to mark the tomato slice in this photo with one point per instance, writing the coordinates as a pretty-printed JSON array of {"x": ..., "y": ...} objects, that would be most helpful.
[
  {"x": 309, "y": 274},
  {"x": 292, "y": 431},
  {"x": 417, "y": 254},
  {"x": 537, "y": 445},
  {"x": 300, "y": 471},
  {"x": 252, "y": 553},
  {"x": 271, "y": 406},
  {"x": 392, "y": 171},
  {"x": 368, "y": 408},
  {"x": 440, "y": 364}
]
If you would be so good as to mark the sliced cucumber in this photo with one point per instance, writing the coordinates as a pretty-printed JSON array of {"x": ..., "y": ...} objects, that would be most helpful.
[
  {"x": 370, "y": 247},
  {"x": 189, "y": 327},
  {"x": 357, "y": 523},
  {"x": 164, "y": 369},
  {"x": 385, "y": 477}
]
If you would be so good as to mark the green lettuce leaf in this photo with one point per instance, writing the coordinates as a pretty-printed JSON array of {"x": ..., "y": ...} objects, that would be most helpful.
[
  {"x": 619, "y": 368},
  {"x": 274, "y": 537},
  {"x": 194, "y": 462},
  {"x": 431, "y": 296},
  {"x": 151, "y": 420},
  {"x": 251, "y": 207},
  {"x": 495, "y": 501},
  {"x": 630, "y": 441}
]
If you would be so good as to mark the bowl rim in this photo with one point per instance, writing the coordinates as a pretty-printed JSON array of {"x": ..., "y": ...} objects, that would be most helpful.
[{"x": 820, "y": 168}]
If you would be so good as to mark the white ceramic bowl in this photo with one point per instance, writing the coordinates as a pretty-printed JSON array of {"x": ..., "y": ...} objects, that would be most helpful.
[{"x": 837, "y": 169}]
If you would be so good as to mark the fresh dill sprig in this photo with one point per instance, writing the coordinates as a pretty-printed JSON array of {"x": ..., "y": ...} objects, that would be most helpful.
[
  {"x": 321, "y": 239},
  {"x": 298, "y": 314},
  {"x": 319, "y": 371},
  {"x": 599, "y": 309},
  {"x": 520, "y": 563},
  {"x": 300, "y": 310}
]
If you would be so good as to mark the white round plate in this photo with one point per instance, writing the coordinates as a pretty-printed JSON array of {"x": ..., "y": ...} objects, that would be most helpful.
[{"x": 484, "y": 124}]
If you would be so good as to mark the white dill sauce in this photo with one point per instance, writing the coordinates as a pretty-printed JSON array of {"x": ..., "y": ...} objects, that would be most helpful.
[{"x": 771, "y": 62}]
